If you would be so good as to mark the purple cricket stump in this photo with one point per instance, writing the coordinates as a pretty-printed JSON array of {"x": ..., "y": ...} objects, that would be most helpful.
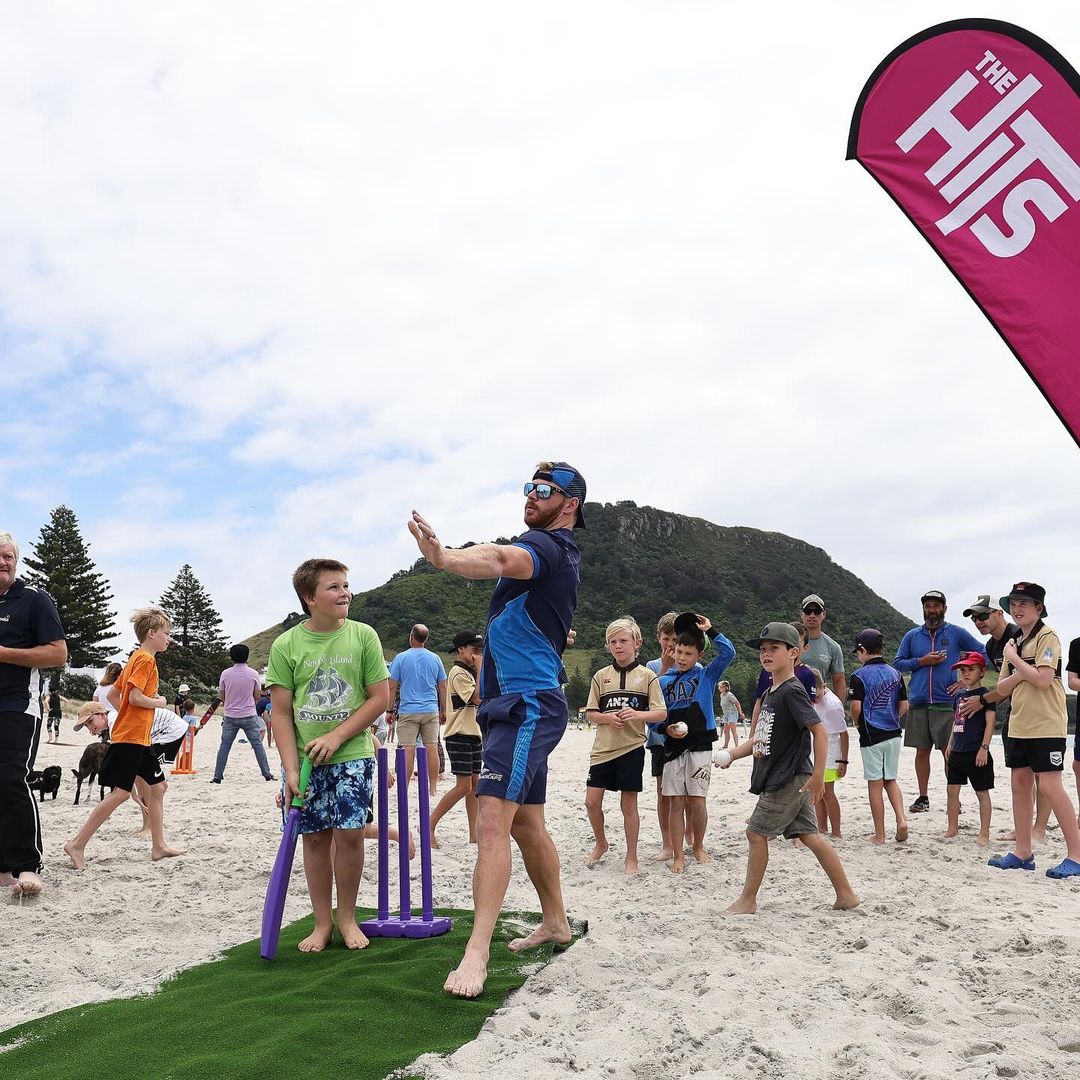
[
  {"x": 427, "y": 925},
  {"x": 378, "y": 927},
  {"x": 405, "y": 908}
]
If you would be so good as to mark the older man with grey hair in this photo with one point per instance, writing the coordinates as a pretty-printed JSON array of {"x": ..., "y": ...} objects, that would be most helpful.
[{"x": 30, "y": 637}]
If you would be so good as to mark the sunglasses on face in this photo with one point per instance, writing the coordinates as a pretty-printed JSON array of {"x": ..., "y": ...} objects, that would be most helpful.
[
  {"x": 543, "y": 491},
  {"x": 980, "y": 618},
  {"x": 812, "y": 610}
]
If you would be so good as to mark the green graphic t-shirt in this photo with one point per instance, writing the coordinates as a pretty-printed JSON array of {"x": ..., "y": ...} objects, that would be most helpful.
[{"x": 327, "y": 674}]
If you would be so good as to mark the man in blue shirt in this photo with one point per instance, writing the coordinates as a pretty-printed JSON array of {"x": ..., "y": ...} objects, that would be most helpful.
[
  {"x": 523, "y": 711},
  {"x": 927, "y": 653},
  {"x": 418, "y": 685}
]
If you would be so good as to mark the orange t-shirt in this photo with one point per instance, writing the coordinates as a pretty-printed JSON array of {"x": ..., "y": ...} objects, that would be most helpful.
[{"x": 132, "y": 723}]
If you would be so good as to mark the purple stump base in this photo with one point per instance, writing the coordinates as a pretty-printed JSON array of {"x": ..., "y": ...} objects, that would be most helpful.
[{"x": 410, "y": 928}]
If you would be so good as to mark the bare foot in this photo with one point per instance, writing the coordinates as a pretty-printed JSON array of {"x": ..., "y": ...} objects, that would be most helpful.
[
  {"x": 77, "y": 855},
  {"x": 352, "y": 935},
  {"x": 901, "y": 831},
  {"x": 468, "y": 978},
  {"x": 472, "y": 838},
  {"x": 742, "y": 906},
  {"x": 1038, "y": 838},
  {"x": 544, "y": 933},
  {"x": 678, "y": 866},
  {"x": 836, "y": 836},
  {"x": 950, "y": 834},
  {"x": 434, "y": 842},
  {"x": 702, "y": 856},
  {"x": 879, "y": 840},
  {"x": 1010, "y": 835},
  {"x": 631, "y": 865},
  {"x": 159, "y": 853},
  {"x": 982, "y": 839},
  {"x": 597, "y": 853},
  {"x": 664, "y": 855},
  {"x": 846, "y": 901},
  {"x": 318, "y": 939},
  {"x": 144, "y": 831},
  {"x": 28, "y": 884},
  {"x": 7, "y": 879}
]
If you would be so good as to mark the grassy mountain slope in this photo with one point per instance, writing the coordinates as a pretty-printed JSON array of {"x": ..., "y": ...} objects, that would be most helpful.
[{"x": 641, "y": 561}]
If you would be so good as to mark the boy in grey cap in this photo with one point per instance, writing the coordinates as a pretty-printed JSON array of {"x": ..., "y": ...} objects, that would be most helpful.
[{"x": 785, "y": 782}]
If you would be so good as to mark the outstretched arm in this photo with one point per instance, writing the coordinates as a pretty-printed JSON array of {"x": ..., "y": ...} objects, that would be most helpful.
[{"x": 481, "y": 562}]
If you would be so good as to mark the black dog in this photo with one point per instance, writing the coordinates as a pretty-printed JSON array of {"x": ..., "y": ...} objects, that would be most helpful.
[
  {"x": 89, "y": 767},
  {"x": 47, "y": 782}
]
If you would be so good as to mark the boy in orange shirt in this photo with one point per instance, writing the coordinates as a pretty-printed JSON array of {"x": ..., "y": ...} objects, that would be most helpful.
[{"x": 134, "y": 696}]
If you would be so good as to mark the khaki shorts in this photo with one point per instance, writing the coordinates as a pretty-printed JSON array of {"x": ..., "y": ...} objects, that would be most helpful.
[
  {"x": 688, "y": 774},
  {"x": 926, "y": 728},
  {"x": 409, "y": 725},
  {"x": 787, "y": 810}
]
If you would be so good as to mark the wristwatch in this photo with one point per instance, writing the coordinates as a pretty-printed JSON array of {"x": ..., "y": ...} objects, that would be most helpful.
[{"x": 984, "y": 746}]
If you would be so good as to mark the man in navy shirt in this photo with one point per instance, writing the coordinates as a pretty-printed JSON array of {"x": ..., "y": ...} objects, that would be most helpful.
[
  {"x": 523, "y": 711},
  {"x": 30, "y": 637}
]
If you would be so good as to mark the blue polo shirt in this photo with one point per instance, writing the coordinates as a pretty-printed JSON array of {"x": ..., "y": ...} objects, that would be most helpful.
[
  {"x": 528, "y": 620},
  {"x": 417, "y": 673}
]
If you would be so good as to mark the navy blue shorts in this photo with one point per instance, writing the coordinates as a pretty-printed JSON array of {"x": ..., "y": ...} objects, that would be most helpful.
[{"x": 520, "y": 731}]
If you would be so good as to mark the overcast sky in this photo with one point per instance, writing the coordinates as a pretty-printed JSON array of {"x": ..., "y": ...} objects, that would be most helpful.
[{"x": 273, "y": 274}]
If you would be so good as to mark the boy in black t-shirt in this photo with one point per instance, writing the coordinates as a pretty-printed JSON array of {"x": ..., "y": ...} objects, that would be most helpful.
[
  {"x": 967, "y": 757},
  {"x": 786, "y": 784}
]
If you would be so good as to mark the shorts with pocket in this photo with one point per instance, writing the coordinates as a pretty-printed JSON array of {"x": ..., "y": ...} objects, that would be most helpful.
[
  {"x": 623, "y": 773},
  {"x": 411, "y": 725},
  {"x": 882, "y": 760},
  {"x": 519, "y": 732},
  {"x": 787, "y": 811},
  {"x": 926, "y": 728},
  {"x": 961, "y": 769},
  {"x": 688, "y": 774}
]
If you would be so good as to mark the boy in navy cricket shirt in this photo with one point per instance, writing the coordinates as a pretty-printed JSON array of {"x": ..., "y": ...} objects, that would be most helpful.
[
  {"x": 688, "y": 691},
  {"x": 967, "y": 756}
]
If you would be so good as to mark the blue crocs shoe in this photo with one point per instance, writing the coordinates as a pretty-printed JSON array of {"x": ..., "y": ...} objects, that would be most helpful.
[
  {"x": 1065, "y": 868},
  {"x": 1014, "y": 862}
]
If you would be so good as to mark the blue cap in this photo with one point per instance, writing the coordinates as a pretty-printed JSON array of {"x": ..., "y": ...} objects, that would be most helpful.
[{"x": 568, "y": 480}]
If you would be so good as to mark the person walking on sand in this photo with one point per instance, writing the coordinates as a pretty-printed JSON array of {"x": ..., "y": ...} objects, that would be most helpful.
[
  {"x": 31, "y": 637},
  {"x": 523, "y": 712},
  {"x": 418, "y": 684},
  {"x": 239, "y": 688}
]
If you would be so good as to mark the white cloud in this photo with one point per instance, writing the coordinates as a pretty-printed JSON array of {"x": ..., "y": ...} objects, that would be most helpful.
[{"x": 310, "y": 269}]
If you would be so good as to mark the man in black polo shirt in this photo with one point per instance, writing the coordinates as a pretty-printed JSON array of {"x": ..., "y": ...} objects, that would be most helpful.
[{"x": 30, "y": 637}]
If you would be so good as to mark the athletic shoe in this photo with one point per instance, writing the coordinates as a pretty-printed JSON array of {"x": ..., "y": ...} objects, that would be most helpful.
[
  {"x": 215, "y": 781},
  {"x": 1012, "y": 861},
  {"x": 920, "y": 805}
]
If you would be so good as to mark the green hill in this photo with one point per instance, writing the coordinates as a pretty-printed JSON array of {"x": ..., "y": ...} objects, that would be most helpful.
[{"x": 643, "y": 562}]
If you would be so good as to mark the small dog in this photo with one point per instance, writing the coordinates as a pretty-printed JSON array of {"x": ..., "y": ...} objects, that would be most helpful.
[
  {"x": 90, "y": 766},
  {"x": 46, "y": 782}
]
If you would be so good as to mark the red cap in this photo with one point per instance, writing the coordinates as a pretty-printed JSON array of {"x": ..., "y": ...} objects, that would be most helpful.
[{"x": 970, "y": 659}]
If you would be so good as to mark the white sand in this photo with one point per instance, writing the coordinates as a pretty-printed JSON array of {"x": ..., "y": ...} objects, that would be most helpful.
[{"x": 948, "y": 968}]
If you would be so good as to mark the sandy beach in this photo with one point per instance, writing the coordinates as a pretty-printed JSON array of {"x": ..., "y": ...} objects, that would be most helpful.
[{"x": 949, "y": 967}]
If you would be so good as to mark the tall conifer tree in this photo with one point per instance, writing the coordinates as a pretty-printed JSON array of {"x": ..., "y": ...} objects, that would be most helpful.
[
  {"x": 196, "y": 629},
  {"x": 61, "y": 565}
]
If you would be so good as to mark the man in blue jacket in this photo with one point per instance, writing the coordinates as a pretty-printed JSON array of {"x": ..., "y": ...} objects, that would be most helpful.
[{"x": 927, "y": 654}]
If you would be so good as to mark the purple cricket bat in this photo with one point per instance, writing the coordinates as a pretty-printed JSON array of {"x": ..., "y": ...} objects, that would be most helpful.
[{"x": 276, "y": 891}]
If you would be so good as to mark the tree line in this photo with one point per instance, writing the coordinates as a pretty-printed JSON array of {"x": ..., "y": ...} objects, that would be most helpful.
[{"x": 59, "y": 562}]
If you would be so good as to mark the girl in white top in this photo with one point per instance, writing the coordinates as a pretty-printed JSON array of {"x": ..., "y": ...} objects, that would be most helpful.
[
  {"x": 831, "y": 710},
  {"x": 108, "y": 677},
  {"x": 731, "y": 710}
]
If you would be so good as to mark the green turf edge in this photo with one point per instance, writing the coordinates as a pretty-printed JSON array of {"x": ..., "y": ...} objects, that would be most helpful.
[{"x": 355, "y": 1014}]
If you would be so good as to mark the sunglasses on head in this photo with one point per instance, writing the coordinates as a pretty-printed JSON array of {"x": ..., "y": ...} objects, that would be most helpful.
[{"x": 543, "y": 491}]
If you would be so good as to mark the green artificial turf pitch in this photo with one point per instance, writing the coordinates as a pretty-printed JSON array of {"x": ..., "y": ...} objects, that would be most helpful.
[{"x": 327, "y": 1015}]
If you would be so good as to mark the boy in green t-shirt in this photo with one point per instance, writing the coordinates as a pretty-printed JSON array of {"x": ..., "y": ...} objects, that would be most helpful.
[{"x": 328, "y": 686}]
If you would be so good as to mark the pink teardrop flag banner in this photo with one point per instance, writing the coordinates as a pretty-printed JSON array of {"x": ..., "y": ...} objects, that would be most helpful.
[{"x": 973, "y": 128}]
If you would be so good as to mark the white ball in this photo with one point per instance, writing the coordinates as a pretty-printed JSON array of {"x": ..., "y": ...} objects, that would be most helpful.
[
  {"x": 678, "y": 729},
  {"x": 722, "y": 758}
]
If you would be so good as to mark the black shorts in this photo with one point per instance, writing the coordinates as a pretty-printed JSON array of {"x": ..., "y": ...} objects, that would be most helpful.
[
  {"x": 1038, "y": 755},
  {"x": 464, "y": 753},
  {"x": 124, "y": 761},
  {"x": 657, "y": 753},
  {"x": 166, "y": 752},
  {"x": 961, "y": 769},
  {"x": 620, "y": 774}
]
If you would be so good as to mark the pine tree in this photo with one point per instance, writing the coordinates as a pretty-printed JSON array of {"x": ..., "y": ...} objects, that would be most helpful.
[
  {"x": 196, "y": 629},
  {"x": 63, "y": 568}
]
